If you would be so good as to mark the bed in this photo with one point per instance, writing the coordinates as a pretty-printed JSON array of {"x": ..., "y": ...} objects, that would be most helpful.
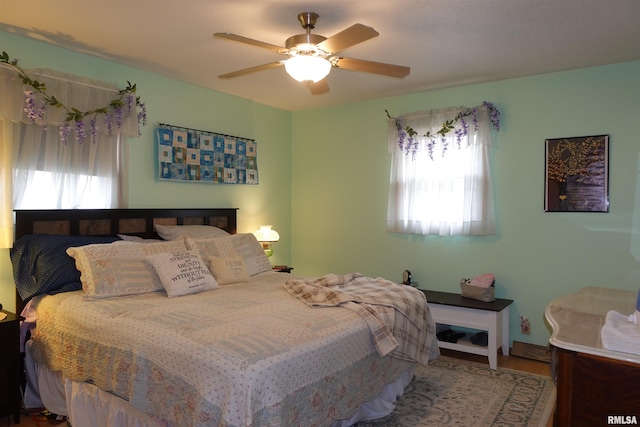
[{"x": 123, "y": 334}]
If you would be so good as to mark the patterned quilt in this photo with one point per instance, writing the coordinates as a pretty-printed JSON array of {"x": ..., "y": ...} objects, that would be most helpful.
[
  {"x": 241, "y": 355},
  {"x": 195, "y": 155}
]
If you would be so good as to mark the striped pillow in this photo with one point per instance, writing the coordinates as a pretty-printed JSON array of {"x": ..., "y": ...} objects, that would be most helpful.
[
  {"x": 172, "y": 232},
  {"x": 120, "y": 268},
  {"x": 245, "y": 245}
]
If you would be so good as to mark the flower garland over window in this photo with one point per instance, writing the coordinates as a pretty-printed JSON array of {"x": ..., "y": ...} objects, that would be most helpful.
[
  {"x": 123, "y": 105},
  {"x": 408, "y": 138}
]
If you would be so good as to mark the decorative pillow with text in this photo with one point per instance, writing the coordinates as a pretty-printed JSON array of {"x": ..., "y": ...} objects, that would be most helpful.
[
  {"x": 229, "y": 270},
  {"x": 182, "y": 273}
]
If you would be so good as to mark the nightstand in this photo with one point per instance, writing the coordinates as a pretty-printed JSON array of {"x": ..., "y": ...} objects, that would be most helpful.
[{"x": 10, "y": 396}]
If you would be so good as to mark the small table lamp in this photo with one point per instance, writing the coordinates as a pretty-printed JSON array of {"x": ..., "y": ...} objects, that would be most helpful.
[{"x": 267, "y": 236}]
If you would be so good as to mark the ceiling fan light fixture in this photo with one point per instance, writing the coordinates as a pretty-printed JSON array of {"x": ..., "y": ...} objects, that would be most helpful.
[
  {"x": 307, "y": 68},
  {"x": 311, "y": 56}
]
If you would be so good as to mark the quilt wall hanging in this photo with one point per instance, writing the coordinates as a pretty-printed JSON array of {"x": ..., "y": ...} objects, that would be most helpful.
[{"x": 193, "y": 155}]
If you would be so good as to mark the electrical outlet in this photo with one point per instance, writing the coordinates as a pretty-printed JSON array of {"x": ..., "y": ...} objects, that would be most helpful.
[{"x": 525, "y": 325}]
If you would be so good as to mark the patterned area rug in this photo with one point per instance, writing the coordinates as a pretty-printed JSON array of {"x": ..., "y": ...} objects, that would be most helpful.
[{"x": 453, "y": 392}]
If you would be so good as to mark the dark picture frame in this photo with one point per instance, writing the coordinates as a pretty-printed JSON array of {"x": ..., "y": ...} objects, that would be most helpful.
[{"x": 577, "y": 174}]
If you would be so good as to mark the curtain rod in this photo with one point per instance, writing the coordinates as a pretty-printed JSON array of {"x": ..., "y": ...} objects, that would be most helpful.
[
  {"x": 206, "y": 131},
  {"x": 81, "y": 83},
  {"x": 65, "y": 79}
]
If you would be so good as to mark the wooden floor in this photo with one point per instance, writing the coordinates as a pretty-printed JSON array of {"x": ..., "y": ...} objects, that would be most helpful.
[{"x": 509, "y": 362}]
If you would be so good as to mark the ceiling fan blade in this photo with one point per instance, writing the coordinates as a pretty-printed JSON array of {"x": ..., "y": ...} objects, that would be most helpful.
[
  {"x": 262, "y": 67},
  {"x": 252, "y": 42},
  {"x": 353, "y": 35},
  {"x": 320, "y": 87},
  {"x": 381, "y": 68}
]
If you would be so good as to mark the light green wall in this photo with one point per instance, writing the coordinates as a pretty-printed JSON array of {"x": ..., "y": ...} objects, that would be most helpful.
[
  {"x": 173, "y": 102},
  {"x": 324, "y": 180},
  {"x": 340, "y": 186}
]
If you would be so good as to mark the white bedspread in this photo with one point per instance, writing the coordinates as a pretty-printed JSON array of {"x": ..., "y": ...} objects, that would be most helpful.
[{"x": 245, "y": 354}]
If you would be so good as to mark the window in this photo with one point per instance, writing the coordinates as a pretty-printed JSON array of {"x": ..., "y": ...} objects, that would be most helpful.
[
  {"x": 80, "y": 192},
  {"x": 441, "y": 185},
  {"x": 48, "y": 174},
  {"x": 50, "y": 163}
]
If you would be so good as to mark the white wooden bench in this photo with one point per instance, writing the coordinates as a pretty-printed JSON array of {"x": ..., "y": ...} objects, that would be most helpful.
[{"x": 493, "y": 317}]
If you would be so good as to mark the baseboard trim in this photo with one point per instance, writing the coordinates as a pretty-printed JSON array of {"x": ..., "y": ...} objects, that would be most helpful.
[{"x": 531, "y": 351}]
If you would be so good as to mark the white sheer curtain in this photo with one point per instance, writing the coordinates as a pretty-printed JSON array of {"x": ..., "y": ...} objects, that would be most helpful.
[
  {"x": 448, "y": 192},
  {"x": 6, "y": 215},
  {"x": 43, "y": 172}
]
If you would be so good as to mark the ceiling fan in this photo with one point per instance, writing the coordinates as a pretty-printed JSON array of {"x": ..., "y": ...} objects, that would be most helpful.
[{"x": 312, "y": 56}]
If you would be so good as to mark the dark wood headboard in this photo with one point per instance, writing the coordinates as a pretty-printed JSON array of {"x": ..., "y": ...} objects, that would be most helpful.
[{"x": 111, "y": 222}]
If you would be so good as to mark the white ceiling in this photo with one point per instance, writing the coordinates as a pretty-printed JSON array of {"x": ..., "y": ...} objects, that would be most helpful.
[{"x": 445, "y": 42}]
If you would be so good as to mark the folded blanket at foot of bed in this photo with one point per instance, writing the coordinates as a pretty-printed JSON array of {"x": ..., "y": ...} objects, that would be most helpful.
[{"x": 397, "y": 315}]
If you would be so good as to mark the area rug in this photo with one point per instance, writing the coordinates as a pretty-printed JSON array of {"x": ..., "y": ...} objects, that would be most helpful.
[{"x": 454, "y": 392}]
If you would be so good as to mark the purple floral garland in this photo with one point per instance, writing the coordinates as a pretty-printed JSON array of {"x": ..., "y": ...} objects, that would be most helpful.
[
  {"x": 125, "y": 104},
  {"x": 408, "y": 138}
]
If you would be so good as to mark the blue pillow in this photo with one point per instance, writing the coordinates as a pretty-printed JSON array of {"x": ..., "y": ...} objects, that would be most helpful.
[{"x": 41, "y": 264}]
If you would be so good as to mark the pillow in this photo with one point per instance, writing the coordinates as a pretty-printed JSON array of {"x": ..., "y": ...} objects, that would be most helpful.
[
  {"x": 228, "y": 270},
  {"x": 172, "y": 232},
  {"x": 182, "y": 273},
  {"x": 120, "y": 268},
  {"x": 41, "y": 264},
  {"x": 129, "y": 238},
  {"x": 245, "y": 245}
]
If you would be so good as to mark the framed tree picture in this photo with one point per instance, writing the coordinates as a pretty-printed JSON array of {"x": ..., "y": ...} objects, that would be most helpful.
[{"x": 577, "y": 174}]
